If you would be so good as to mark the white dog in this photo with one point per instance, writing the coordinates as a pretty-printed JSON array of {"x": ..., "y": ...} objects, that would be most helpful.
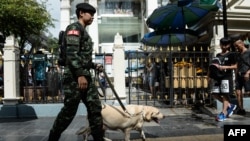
[{"x": 115, "y": 118}]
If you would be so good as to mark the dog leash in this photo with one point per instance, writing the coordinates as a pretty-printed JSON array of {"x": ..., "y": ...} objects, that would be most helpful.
[
  {"x": 97, "y": 73},
  {"x": 130, "y": 115},
  {"x": 113, "y": 90},
  {"x": 116, "y": 95}
]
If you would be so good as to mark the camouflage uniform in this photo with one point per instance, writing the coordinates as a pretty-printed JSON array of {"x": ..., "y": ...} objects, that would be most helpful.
[{"x": 78, "y": 63}]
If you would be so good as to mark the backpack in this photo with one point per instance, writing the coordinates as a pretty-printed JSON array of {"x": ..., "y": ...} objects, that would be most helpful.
[
  {"x": 214, "y": 72},
  {"x": 62, "y": 49}
]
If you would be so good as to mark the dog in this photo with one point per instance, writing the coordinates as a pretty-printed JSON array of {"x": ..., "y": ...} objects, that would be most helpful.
[{"x": 115, "y": 118}]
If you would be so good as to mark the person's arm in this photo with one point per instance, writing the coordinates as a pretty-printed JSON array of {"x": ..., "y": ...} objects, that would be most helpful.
[
  {"x": 248, "y": 72},
  {"x": 236, "y": 71},
  {"x": 247, "y": 75},
  {"x": 150, "y": 67},
  {"x": 233, "y": 63},
  {"x": 232, "y": 67},
  {"x": 74, "y": 61}
]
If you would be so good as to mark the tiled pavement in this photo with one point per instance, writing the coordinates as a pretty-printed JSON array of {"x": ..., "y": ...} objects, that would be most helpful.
[{"x": 180, "y": 124}]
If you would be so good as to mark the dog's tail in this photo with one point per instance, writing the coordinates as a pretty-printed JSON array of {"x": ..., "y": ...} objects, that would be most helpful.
[{"x": 83, "y": 131}]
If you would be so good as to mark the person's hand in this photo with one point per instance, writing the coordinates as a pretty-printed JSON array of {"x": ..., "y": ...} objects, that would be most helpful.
[
  {"x": 82, "y": 83},
  {"x": 218, "y": 66},
  {"x": 246, "y": 76},
  {"x": 99, "y": 67},
  {"x": 208, "y": 79}
]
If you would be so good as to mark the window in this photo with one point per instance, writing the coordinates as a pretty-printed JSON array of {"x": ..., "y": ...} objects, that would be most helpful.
[{"x": 119, "y": 17}]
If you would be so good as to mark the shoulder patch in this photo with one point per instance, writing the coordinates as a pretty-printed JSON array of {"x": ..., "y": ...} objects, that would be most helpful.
[
  {"x": 73, "y": 40},
  {"x": 73, "y": 32}
]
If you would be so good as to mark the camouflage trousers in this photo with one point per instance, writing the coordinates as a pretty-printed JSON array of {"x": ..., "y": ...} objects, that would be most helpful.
[{"x": 72, "y": 99}]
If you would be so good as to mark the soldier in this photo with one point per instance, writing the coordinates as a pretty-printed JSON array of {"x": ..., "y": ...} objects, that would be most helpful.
[{"x": 78, "y": 83}]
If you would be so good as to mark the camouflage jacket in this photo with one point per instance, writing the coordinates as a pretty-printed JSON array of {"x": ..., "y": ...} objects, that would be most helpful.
[{"x": 79, "y": 47}]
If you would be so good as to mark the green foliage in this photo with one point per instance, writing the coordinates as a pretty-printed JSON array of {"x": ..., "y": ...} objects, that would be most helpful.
[
  {"x": 24, "y": 18},
  {"x": 53, "y": 44}
]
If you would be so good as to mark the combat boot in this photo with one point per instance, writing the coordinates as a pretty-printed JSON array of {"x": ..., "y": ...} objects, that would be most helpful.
[
  {"x": 97, "y": 136},
  {"x": 53, "y": 136}
]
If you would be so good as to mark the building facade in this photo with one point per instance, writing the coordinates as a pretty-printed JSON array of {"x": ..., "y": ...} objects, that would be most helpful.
[{"x": 127, "y": 17}]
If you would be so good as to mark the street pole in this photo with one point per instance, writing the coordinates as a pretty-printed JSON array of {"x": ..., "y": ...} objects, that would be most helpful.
[{"x": 224, "y": 17}]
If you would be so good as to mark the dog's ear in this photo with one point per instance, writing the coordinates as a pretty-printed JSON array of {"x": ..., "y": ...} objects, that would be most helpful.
[{"x": 147, "y": 113}]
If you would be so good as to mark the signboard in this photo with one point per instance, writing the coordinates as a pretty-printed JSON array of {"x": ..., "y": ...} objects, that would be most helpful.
[
  {"x": 108, "y": 60},
  {"x": 99, "y": 59}
]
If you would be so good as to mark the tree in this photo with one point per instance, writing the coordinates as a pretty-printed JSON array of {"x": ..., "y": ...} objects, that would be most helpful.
[
  {"x": 24, "y": 19},
  {"x": 52, "y": 44}
]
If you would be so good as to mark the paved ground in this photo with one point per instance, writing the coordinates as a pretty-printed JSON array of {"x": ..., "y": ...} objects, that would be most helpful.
[{"x": 180, "y": 124}]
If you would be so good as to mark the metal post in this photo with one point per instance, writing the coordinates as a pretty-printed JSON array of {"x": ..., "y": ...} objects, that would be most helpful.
[{"x": 224, "y": 17}]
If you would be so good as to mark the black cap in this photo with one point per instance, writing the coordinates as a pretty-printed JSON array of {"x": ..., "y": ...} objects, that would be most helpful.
[{"x": 86, "y": 7}]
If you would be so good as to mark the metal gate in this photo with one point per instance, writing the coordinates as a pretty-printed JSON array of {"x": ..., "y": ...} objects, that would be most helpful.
[
  {"x": 182, "y": 78},
  {"x": 41, "y": 79}
]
